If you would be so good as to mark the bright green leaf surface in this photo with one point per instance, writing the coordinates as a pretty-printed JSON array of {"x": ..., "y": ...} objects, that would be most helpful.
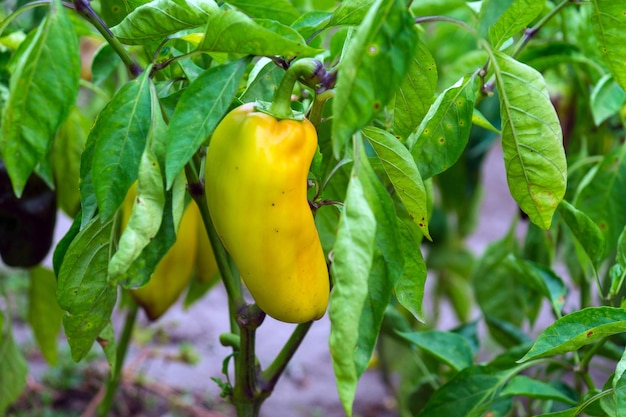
[
  {"x": 118, "y": 139},
  {"x": 585, "y": 230},
  {"x": 451, "y": 348},
  {"x": 468, "y": 394},
  {"x": 199, "y": 110},
  {"x": 442, "y": 135},
  {"x": 608, "y": 20},
  {"x": 384, "y": 43},
  {"x": 531, "y": 140},
  {"x": 409, "y": 289},
  {"x": 403, "y": 174},
  {"x": 353, "y": 254},
  {"x": 157, "y": 19},
  {"x": 233, "y": 31},
  {"x": 576, "y": 330},
  {"x": 280, "y": 10},
  {"x": 263, "y": 85},
  {"x": 83, "y": 289},
  {"x": 147, "y": 208},
  {"x": 416, "y": 93},
  {"x": 350, "y": 12},
  {"x": 521, "y": 385},
  {"x": 371, "y": 262},
  {"x": 43, "y": 87},
  {"x": 44, "y": 314},
  {"x": 607, "y": 98},
  {"x": 603, "y": 198},
  {"x": 504, "y": 19},
  {"x": 13, "y": 366}
]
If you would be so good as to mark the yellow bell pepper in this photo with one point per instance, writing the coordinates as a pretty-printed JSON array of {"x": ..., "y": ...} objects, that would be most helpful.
[{"x": 256, "y": 188}]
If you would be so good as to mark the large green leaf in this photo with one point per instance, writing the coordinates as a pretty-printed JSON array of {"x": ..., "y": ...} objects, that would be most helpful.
[
  {"x": 83, "y": 289},
  {"x": 576, "y": 330},
  {"x": 157, "y": 19},
  {"x": 280, "y": 10},
  {"x": 441, "y": 137},
  {"x": 118, "y": 138},
  {"x": 532, "y": 140},
  {"x": 233, "y": 31},
  {"x": 607, "y": 98},
  {"x": 469, "y": 393},
  {"x": 350, "y": 12},
  {"x": 409, "y": 289},
  {"x": 603, "y": 198},
  {"x": 416, "y": 93},
  {"x": 148, "y": 204},
  {"x": 586, "y": 232},
  {"x": 608, "y": 20},
  {"x": 66, "y": 153},
  {"x": 44, "y": 314},
  {"x": 199, "y": 110},
  {"x": 450, "y": 348},
  {"x": 373, "y": 66},
  {"x": 522, "y": 385},
  {"x": 504, "y": 19},
  {"x": 367, "y": 261},
  {"x": 13, "y": 366},
  {"x": 403, "y": 174},
  {"x": 43, "y": 87}
]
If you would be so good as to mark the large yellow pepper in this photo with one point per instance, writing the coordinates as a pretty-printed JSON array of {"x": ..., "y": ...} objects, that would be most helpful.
[
  {"x": 256, "y": 187},
  {"x": 174, "y": 271}
]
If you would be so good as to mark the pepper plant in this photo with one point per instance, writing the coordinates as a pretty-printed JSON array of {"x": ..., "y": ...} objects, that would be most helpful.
[{"x": 405, "y": 99}]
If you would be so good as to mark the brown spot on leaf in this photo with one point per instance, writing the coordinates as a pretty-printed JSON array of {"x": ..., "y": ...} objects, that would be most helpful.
[{"x": 590, "y": 333}]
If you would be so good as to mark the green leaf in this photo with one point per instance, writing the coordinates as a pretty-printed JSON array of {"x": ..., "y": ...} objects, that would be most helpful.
[
  {"x": 384, "y": 43},
  {"x": 311, "y": 23},
  {"x": 576, "y": 330},
  {"x": 62, "y": 245},
  {"x": 139, "y": 272},
  {"x": 44, "y": 314},
  {"x": 586, "y": 232},
  {"x": 199, "y": 110},
  {"x": 607, "y": 98},
  {"x": 366, "y": 263},
  {"x": 154, "y": 21},
  {"x": 13, "y": 366},
  {"x": 607, "y": 21},
  {"x": 43, "y": 87},
  {"x": 280, "y": 10},
  {"x": 545, "y": 282},
  {"x": 66, "y": 153},
  {"x": 233, "y": 31},
  {"x": 570, "y": 412},
  {"x": 521, "y": 385},
  {"x": 496, "y": 288},
  {"x": 442, "y": 135},
  {"x": 469, "y": 393},
  {"x": 353, "y": 257},
  {"x": 118, "y": 139},
  {"x": 532, "y": 140},
  {"x": 83, "y": 290},
  {"x": 149, "y": 201},
  {"x": 416, "y": 93},
  {"x": 603, "y": 198},
  {"x": 350, "y": 12},
  {"x": 504, "y": 19},
  {"x": 262, "y": 84},
  {"x": 480, "y": 120},
  {"x": 450, "y": 348},
  {"x": 409, "y": 289},
  {"x": 403, "y": 174}
]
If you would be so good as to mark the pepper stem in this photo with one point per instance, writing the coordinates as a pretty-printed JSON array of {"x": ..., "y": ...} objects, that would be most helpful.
[{"x": 303, "y": 69}]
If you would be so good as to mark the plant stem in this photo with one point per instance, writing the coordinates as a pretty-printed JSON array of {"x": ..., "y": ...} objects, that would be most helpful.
[
  {"x": 116, "y": 373},
  {"x": 281, "y": 105},
  {"x": 84, "y": 9},
  {"x": 231, "y": 283}
]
